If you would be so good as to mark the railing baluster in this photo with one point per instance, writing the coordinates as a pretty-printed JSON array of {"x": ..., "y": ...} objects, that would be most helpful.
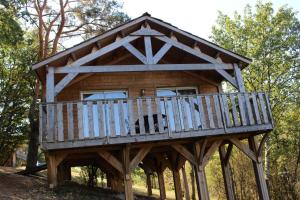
[
  {"x": 193, "y": 114},
  {"x": 112, "y": 122},
  {"x": 150, "y": 116},
  {"x": 141, "y": 116},
  {"x": 269, "y": 108},
  {"x": 101, "y": 119},
  {"x": 263, "y": 108},
  {"x": 256, "y": 110},
  {"x": 209, "y": 112},
  {"x": 167, "y": 115},
  {"x": 50, "y": 122},
  {"x": 242, "y": 109},
  {"x": 131, "y": 117},
  {"x": 234, "y": 110},
  {"x": 80, "y": 120},
  {"x": 226, "y": 110},
  {"x": 201, "y": 112},
  {"x": 70, "y": 121},
  {"x": 218, "y": 111},
  {"x": 249, "y": 110},
  {"x": 90, "y": 119},
  {"x": 121, "y": 118},
  {"x": 60, "y": 122},
  {"x": 184, "y": 114},
  {"x": 159, "y": 116},
  {"x": 176, "y": 114}
]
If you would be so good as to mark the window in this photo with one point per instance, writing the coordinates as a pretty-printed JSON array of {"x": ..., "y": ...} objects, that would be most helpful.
[
  {"x": 180, "y": 104},
  {"x": 104, "y": 95}
]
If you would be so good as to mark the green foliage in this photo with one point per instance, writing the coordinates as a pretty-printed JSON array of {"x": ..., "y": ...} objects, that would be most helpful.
[
  {"x": 16, "y": 56},
  {"x": 272, "y": 40}
]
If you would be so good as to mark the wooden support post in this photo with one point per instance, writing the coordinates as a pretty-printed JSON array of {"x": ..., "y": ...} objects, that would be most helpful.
[
  {"x": 186, "y": 184},
  {"x": 149, "y": 184},
  {"x": 53, "y": 161},
  {"x": 200, "y": 171},
  {"x": 226, "y": 173},
  {"x": 238, "y": 78},
  {"x": 259, "y": 172},
  {"x": 201, "y": 182},
  {"x": 127, "y": 173},
  {"x": 177, "y": 183},
  {"x": 174, "y": 157},
  {"x": 161, "y": 182},
  {"x": 52, "y": 171}
]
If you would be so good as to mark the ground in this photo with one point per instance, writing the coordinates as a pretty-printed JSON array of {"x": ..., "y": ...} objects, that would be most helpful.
[{"x": 18, "y": 187}]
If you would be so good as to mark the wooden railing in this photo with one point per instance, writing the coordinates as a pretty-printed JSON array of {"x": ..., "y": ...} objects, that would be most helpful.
[{"x": 122, "y": 118}]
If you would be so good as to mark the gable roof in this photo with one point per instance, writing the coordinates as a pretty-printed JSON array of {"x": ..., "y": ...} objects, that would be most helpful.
[{"x": 133, "y": 25}]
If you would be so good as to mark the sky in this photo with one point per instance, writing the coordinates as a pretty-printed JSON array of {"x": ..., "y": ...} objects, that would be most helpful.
[{"x": 194, "y": 16}]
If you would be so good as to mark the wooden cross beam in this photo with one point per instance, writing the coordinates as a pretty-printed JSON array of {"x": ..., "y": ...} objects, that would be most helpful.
[
  {"x": 139, "y": 68},
  {"x": 244, "y": 148}
]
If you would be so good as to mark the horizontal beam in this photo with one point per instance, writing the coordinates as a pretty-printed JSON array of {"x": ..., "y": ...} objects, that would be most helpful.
[{"x": 141, "y": 68}]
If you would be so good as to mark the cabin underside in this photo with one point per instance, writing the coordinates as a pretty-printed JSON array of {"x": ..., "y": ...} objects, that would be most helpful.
[{"x": 119, "y": 161}]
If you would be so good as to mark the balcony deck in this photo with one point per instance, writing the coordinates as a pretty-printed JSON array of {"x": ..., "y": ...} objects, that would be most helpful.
[{"x": 119, "y": 121}]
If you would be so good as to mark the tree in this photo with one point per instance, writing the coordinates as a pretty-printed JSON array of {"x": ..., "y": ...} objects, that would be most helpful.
[
  {"x": 55, "y": 21},
  {"x": 16, "y": 54},
  {"x": 272, "y": 40}
]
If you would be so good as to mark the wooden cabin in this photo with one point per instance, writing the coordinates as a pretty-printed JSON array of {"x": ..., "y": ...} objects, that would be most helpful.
[{"x": 149, "y": 94}]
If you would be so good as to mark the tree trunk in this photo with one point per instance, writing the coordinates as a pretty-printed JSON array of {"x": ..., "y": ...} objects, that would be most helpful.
[{"x": 33, "y": 144}]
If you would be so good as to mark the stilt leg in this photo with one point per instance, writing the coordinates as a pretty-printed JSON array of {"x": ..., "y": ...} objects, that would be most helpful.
[
  {"x": 259, "y": 173},
  {"x": 52, "y": 171},
  {"x": 201, "y": 183},
  {"x": 161, "y": 182},
  {"x": 127, "y": 174},
  {"x": 226, "y": 173},
  {"x": 177, "y": 183},
  {"x": 186, "y": 185},
  {"x": 149, "y": 184}
]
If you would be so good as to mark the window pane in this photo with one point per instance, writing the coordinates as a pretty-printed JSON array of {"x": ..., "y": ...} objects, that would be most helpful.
[{"x": 166, "y": 92}]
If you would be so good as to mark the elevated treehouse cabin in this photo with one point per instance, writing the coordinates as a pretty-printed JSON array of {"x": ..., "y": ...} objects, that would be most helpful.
[{"x": 149, "y": 94}]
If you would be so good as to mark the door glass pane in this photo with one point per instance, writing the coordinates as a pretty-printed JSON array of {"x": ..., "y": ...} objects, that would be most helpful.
[{"x": 105, "y": 95}]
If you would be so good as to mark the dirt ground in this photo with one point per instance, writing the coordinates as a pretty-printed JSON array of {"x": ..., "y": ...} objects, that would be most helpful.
[{"x": 18, "y": 187}]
